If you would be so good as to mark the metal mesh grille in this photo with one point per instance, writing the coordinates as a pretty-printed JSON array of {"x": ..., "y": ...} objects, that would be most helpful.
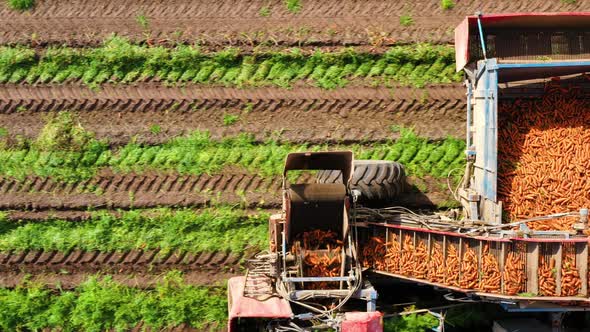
[{"x": 532, "y": 44}]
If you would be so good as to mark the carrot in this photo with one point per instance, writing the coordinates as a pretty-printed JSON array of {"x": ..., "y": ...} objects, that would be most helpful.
[
  {"x": 490, "y": 278},
  {"x": 322, "y": 256},
  {"x": 420, "y": 268},
  {"x": 452, "y": 266},
  {"x": 469, "y": 272},
  {"x": 513, "y": 274},
  {"x": 407, "y": 257},
  {"x": 543, "y": 154},
  {"x": 374, "y": 254},
  {"x": 547, "y": 284},
  {"x": 436, "y": 265},
  {"x": 393, "y": 256},
  {"x": 570, "y": 276}
]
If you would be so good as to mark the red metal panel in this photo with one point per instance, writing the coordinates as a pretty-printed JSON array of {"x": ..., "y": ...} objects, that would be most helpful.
[
  {"x": 462, "y": 44},
  {"x": 362, "y": 322},
  {"x": 245, "y": 307}
]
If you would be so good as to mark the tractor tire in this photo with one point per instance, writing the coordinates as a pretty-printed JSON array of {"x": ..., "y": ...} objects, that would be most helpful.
[{"x": 379, "y": 181}]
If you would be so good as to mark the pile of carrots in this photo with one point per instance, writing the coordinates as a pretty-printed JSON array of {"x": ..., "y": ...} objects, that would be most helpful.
[
  {"x": 547, "y": 283},
  {"x": 514, "y": 278},
  {"x": 374, "y": 254},
  {"x": 393, "y": 256},
  {"x": 436, "y": 265},
  {"x": 469, "y": 269},
  {"x": 544, "y": 155},
  {"x": 420, "y": 266},
  {"x": 322, "y": 256},
  {"x": 570, "y": 276},
  {"x": 490, "y": 272},
  {"x": 412, "y": 258},
  {"x": 407, "y": 257},
  {"x": 452, "y": 266}
]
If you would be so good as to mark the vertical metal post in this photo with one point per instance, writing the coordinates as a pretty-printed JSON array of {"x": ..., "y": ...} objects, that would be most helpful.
[
  {"x": 532, "y": 267},
  {"x": 558, "y": 258},
  {"x": 582, "y": 266},
  {"x": 468, "y": 129},
  {"x": 502, "y": 263},
  {"x": 479, "y": 261}
]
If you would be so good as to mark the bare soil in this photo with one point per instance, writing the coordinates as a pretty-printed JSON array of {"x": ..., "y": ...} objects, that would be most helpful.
[
  {"x": 110, "y": 191},
  {"x": 152, "y": 113},
  {"x": 135, "y": 268},
  {"x": 223, "y": 23}
]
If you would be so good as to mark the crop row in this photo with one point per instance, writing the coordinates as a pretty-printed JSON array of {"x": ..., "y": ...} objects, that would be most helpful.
[
  {"x": 100, "y": 304},
  {"x": 208, "y": 230},
  {"x": 198, "y": 154},
  {"x": 120, "y": 61}
]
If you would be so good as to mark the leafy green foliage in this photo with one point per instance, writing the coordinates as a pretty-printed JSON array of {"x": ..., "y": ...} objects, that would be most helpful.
[
  {"x": 155, "y": 129},
  {"x": 102, "y": 304},
  {"x": 294, "y": 6},
  {"x": 264, "y": 11},
  {"x": 142, "y": 20},
  {"x": 410, "y": 323},
  {"x": 230, "y": 119},
  {"x": 198, "y": 154},
  {"x": 120, "y": 61},
  {"x": 62, "y": 132},
  {"x": 447, "y": 4},
  {"x": 406, "y": 20},
  {"x": 212, "y": 229},
  {"x": 21, "y": 4}
]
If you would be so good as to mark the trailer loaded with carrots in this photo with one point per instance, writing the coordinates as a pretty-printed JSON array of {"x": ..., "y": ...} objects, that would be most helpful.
[
  {"x": 523, "y": 234},
  {"x": 521, "y": 238}
]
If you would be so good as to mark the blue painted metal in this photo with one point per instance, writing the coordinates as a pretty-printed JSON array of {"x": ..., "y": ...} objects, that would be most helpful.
[
  {"x": 542, "y": 64},
  {"x": 487, "y": 90},
  {"x": 469, "y": 114},
  {"x": 481, "y": 38}
]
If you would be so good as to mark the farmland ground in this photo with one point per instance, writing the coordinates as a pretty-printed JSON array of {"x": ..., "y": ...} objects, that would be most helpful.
[
  {"x": 350, "y": 114},
  {"x": 218, "y": 24},
  {"x": 241, "y": 75}
]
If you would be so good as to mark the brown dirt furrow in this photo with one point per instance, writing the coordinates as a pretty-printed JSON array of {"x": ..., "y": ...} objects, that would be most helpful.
[
  {"x": 343, "y": 115},
  {"x": 214, "y": 34},
  {"x": 235, "y": 22},
  {"x": 135, "y": 268},
  {"x": 140, "y": 262},
  {"x": 113, "y": 192}
]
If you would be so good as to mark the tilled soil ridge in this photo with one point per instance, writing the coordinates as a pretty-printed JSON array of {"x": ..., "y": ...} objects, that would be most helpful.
[
  {"x": 248, "y": 23},
  {"x": 304, "y": 114},
  {"x": 155, "y": 189}
]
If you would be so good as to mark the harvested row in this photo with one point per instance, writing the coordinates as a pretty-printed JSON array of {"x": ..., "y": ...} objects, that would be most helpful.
[
  {"x": 120, "y": 61},
  {"x": 133, "y": 268},
  {"x": 544, "y": 155},
  {"x": 233, "y": 22},
  {"x": 152, "y": 190},
  {"x": 236, "y": 9},
  {"x": 129, "y": 261},
  {"x": 152, "y": 113}
]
